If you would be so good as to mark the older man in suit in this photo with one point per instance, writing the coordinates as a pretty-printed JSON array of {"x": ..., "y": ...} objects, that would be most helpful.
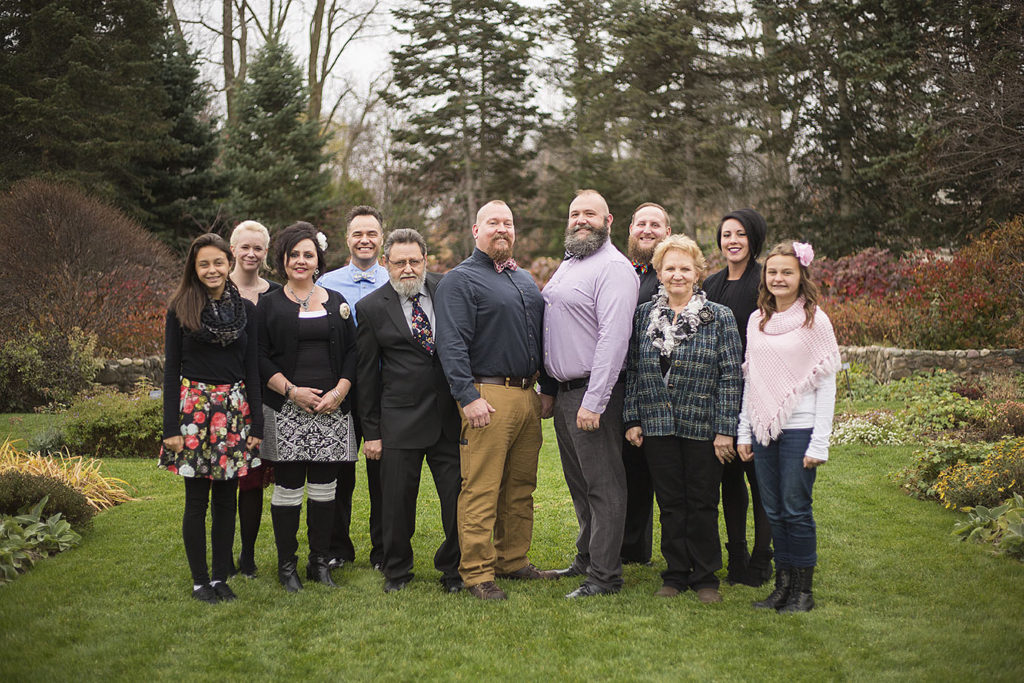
[{"x": 407, "y": 409}]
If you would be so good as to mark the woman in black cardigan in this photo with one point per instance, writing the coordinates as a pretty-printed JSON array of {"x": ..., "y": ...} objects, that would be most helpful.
[
  {"x": 741, "y": 236},
  {"x": 307, "y": 364}
]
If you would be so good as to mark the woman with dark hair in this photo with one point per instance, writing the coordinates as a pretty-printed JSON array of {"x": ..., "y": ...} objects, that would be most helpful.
[
  {"x": 213, "y": 417},
  {"x": 308, "y": 366},
  {"x": 788, "y": 402},
  {"x": 741, "y": 236},
  {"x": 682, "y": 400},
  {"x": 250, "y": 243}
]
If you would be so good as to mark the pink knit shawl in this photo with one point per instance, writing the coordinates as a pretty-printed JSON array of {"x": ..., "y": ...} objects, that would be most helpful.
[{"x": 784, "y": 362}]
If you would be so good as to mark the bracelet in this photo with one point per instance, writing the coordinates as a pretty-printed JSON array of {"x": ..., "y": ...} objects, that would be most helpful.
[
  {"x": 337, "y": 394},
  {"x": 288, "y": 389}
]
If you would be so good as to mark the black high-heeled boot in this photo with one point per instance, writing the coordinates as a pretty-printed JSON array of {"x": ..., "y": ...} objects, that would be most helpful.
[
  {"x": 759, "y": 569},
  {"x": 778, "y": 597},
  {"x": 286, "y": 525},
  {"x": 801, "y": 596},
  {"x": 738, "y": 560},
  {"x": 320, "y": 521},
  {"x": 319, "y": 571}
]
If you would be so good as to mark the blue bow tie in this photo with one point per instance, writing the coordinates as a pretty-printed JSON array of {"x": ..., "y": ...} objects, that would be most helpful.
[{"x": 360, "y": 275}]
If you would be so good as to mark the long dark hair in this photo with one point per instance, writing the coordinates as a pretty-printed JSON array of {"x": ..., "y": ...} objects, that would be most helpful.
[
  {"x": 189, "y": 298},
  {"x": 808, "y": 290}
]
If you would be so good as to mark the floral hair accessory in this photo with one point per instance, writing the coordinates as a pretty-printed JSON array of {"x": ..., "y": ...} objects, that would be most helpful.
[
  {"x": 804, "y": 253},
  {"x": 321, "y": 239}
]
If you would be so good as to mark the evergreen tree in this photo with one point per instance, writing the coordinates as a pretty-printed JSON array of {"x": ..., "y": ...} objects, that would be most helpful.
[
  {"x": 273, "y": 155},
  {"x": 80, "y": 93},
  {"x": 674, "y": 80},
  {"x": 460, "y": 84},
  {"x": 181, "y": 192}
]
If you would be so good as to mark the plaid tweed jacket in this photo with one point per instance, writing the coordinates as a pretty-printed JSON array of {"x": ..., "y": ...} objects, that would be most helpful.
[{"x": 702, "y": 397}]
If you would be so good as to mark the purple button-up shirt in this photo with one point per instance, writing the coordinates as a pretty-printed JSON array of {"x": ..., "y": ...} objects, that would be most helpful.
[{"x": 588, "y": 317}]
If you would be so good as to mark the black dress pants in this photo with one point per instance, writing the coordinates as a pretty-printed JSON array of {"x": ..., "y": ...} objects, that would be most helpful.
[
  {"x": 686, "y": 476},
  {"x": 400, "y": 471},
  {"x": 198, "y": 494},
  {"x": 639, "y": 528},
  {"x": 341, "y": 540}
]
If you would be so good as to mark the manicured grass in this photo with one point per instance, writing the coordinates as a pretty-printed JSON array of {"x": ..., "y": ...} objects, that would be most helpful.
[
  {"x": 23, "y": 425},
  {"x": 898, "y": 599}
]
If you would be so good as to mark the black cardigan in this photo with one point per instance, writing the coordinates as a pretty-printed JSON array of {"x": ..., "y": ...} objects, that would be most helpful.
[
  {"x": 741, "y": 297},
  {"x": 279, "y": 342}
]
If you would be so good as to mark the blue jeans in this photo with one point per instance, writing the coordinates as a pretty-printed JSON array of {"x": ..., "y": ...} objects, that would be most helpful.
[{"x": 786, "y": 494}]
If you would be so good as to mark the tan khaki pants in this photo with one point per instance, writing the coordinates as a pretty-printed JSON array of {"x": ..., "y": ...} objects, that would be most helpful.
[{"x": 499, "y": 475}]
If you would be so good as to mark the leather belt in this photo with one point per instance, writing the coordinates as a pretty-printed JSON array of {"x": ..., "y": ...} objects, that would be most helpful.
[
  {"x": 517, "y": 382},
  {"x": 573, "y": 384}
]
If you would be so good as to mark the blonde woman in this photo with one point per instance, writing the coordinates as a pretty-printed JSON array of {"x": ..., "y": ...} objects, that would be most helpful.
[{"x": 250, "y": 243}]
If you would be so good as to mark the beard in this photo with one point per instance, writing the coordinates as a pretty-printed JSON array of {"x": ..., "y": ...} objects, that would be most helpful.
[
  {"x": 585, "y": 245},
  {"x": 408, "y": 287},
  {"x": 500, "y": 250},
  {"x": 637, "y": 253}
]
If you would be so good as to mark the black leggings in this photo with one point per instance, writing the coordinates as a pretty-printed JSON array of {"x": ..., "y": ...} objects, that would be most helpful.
[{"x": 222, "y": 528}]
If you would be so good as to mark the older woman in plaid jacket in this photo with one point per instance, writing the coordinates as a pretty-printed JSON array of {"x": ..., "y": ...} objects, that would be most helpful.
[{"x": 683, "y": 389}]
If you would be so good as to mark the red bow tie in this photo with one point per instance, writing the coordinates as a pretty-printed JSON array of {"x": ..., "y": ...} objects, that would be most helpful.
[{"x": 510, "y": 264}]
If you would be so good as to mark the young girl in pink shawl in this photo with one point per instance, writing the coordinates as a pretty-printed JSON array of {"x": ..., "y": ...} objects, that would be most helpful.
[{"x": 788, "y": 401}]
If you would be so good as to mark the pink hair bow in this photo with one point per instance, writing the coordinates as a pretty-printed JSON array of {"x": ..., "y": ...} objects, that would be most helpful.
[{"x": 804, "y": 253}]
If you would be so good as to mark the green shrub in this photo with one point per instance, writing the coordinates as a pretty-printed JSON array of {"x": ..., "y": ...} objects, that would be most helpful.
[
  {"x": 997, "y": 477},
  {"x": 38, "y": 369},
  {"x": 920, "y": 477},
  {"x": 19, "y": 491},
  {"x": 28, "y": 536},
  {"x": 1002, "y": 526},
  {"x": 946, "y": 411},
  {"x": 115, "y": 425},
  {"x": 50, "y": 441}
]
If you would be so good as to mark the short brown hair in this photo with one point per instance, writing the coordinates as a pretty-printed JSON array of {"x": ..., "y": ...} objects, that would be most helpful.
[
  {"x": 668, "y": 219},
  {"x": 364, "y": 210}
]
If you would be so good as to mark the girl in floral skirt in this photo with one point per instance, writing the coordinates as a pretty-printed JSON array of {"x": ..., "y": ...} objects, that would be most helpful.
[{"x": 212, "y": 424}]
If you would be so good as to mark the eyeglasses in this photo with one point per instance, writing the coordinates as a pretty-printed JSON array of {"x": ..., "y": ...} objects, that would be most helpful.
[{"x": 414, "y": 262}]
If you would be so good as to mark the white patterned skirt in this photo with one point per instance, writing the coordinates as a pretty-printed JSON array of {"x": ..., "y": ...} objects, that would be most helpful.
[{"x": 314, "y": 437}]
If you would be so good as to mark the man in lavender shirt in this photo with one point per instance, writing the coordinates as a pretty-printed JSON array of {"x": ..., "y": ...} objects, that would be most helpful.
[{"x": 588, "y": 317}]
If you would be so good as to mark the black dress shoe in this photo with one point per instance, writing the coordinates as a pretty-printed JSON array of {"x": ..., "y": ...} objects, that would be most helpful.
[
  {"x": 224, "y": 591},
  {"x": 205, "y": 594},
  {"x": 288, "y": 575},
  {"x": 317, "y": 570},
  {"x": 571, "y": 571},
  {"x": 336, "y": 563},
  {"x": 394, "y": 585},
  {"x": 378, "y": 567},
  {"x": 452, "y": 584},
  {"x": 247, "y": 567},
  {"x": 588, "y": 589}
]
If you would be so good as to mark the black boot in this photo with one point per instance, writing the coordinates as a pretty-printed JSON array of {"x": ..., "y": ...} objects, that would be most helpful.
[
  {"x": 778, "y": 597},
  {"x": 759, "y": 569},
  {"x": 286, "y": 525},
  {"x": 319, "y": 522},
  {"x": 801, "y": 598},
  {"x": 738, "y": 560},
  {"x": 288, "y": 575},
  {"x": 319, "y": 571}
]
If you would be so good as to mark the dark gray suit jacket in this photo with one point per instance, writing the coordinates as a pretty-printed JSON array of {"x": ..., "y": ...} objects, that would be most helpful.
[{"x": 404, "y": 397}]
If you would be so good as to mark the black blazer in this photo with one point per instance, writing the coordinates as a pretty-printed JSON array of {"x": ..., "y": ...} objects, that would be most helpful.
[
  {"x": 279, "y": 341},
  {"x": 404, "y": 398}
]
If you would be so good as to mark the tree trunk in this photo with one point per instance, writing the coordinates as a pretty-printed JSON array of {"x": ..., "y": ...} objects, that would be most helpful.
[
  {"x": 844, "y": 133},
  {"x": 315, "y": 82},
  {"x": 229, "y": 59}
]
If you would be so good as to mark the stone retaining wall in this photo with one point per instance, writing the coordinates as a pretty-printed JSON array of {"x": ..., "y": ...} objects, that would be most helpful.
[
  {"x": 888, "y": 363},
  {"x": 126, "y": 372},
  {"x": 885, "y": 363}
]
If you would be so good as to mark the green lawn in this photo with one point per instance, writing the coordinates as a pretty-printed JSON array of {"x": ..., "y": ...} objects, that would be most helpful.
[{"x": 898, "y": 599}]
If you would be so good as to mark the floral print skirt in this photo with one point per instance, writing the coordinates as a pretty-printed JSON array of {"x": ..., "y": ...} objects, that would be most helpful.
[{"x": 215, "y": 422}]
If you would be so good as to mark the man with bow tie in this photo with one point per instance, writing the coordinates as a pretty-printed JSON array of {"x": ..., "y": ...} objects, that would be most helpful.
[
  {"x": 649, "y": 225},
  {"x": 489, "y": 315},
  {"x": 362, "y": 275},
  {"x": 406, "y": 408},
  {"x": 587, "y": 324}
]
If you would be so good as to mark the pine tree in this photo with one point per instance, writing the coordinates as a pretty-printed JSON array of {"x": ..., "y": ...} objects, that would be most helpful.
[
  {"x": 182, "y": 191},
  {"x": 80, "y": 93},
  {"x": 460, "y": 83},
  {"x": 273, "y": 155}
]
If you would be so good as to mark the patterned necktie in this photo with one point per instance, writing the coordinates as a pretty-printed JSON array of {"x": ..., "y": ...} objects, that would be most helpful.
[
  {"x": 421, "y": 331},
  {"x": 360, "y": 275},
  {"x": 510, "y": 264},
  {"x": 641, "y": 268}
]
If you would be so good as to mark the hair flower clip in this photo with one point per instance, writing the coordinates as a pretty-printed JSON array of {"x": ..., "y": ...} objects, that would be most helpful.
[
  {"x": 321, "y": 239},
  {"x": 804, "y": 253}
]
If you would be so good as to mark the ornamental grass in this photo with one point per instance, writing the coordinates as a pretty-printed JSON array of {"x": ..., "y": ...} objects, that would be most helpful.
[{"x": 80, "y": 474}]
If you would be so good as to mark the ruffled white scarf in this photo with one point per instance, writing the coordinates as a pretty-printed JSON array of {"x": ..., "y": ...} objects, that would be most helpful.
[{"x": 785, "y": 361}]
